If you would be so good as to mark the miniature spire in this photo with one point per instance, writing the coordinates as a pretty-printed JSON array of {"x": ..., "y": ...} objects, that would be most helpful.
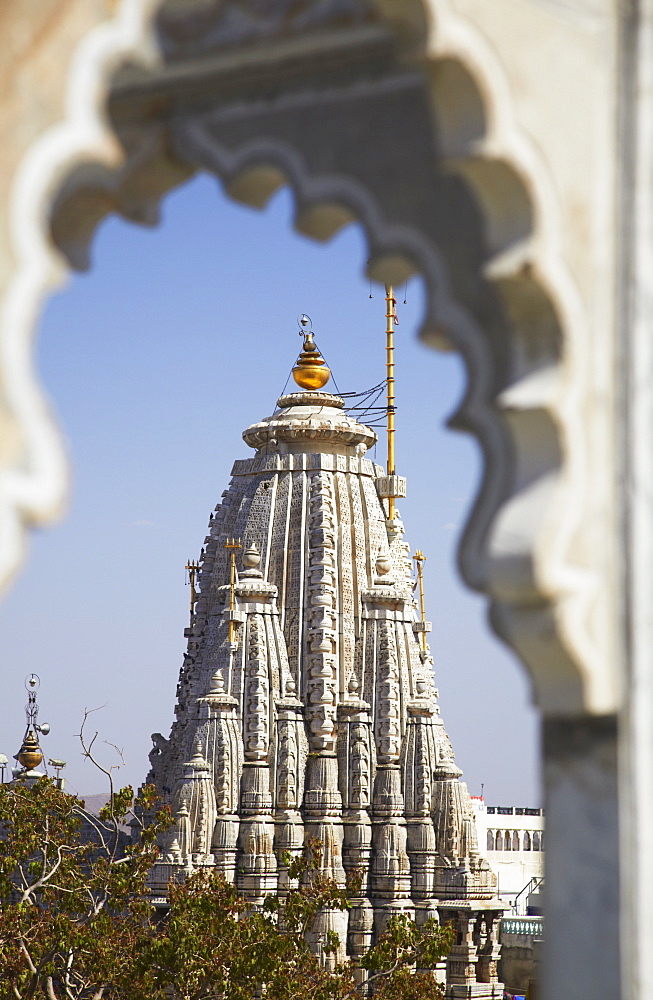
[
  {"x": 251, "y": 560},
  {"x": 310, "y": 371},
  {"x": 383, "y": 567}
]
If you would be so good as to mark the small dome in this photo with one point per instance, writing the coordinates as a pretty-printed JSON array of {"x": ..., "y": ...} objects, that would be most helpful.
[{"x": 310, "y": 422}]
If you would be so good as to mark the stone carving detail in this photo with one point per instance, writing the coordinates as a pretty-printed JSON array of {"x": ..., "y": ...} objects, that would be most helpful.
[
  {"x": 224, "y": 23},
  {"x": 289, "y": 835},
  {"x": 321, "y": 614},
  {"x": 474, "y": 957},
  {"x": 320, "y": 720},
  {"x": 322, "y": 800},
  {"x": 356, "y": 787},
  {"x": 195, "y": 812},
  {"x": 257, "y": 737},
  {"x": 387, "y": 702},
  {"x": 257, "y": 862},
  {"x": 419, "y": 755},
  {"x": 359, "y": 767},
  {"x": 287, "y": 797},
  {"x": 226, "y": 738}
]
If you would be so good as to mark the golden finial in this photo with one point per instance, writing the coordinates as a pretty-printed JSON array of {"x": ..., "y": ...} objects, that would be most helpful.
[
  {"x": 420, "y": 559},
  {"x": 191, "y": 568},
  {"x": 232, "y": 545},
  {"x": 311, "y": 371},
  {"x": 30, "y": 755}
]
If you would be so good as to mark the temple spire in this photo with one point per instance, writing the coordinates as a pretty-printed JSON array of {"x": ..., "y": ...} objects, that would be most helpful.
[{"x": 318, "y": 719}]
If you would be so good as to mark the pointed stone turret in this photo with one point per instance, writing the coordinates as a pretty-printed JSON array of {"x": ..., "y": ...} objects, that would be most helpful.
[{"x": 306, "y": 704}]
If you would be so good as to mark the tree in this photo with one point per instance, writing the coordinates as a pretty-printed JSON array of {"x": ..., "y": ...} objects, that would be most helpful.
[
  {"x": 76, "y": 923},
  {"x": 73, "y": 907},
  {"x": 214, "y": 946}
]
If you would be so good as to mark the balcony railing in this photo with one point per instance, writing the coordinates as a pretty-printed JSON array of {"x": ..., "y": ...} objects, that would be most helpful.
[{"x": 529, "y": 926}]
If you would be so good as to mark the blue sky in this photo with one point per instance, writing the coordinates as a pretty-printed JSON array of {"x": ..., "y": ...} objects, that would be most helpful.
[{"x": 155, "y": 361}]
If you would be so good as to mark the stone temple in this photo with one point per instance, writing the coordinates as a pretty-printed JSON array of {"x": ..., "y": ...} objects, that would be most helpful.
[{"x": 306, "y": 704}]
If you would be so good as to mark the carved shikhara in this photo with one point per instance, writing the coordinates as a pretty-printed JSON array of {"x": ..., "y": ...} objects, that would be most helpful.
[{"x": 320, "y": 718}]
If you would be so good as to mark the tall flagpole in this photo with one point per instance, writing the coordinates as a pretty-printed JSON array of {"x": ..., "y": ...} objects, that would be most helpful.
[{"x": 391, "y": 319}]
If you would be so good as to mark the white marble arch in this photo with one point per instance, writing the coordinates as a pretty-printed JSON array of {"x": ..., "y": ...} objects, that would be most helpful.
[
  {"x": 499, "y": 289},
  {"x": 161, "y": 90}
]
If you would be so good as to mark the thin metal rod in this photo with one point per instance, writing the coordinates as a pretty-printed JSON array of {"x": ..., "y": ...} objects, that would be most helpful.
[
  {"x": 192, "y": 568},
  {"x": 420, "y": 558},
  {"x": 231, "y": 545},
  {"x": 390, "y": 316}
]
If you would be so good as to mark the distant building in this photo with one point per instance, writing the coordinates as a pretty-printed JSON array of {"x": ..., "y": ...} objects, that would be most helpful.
[{"x": 512, "y": 840}]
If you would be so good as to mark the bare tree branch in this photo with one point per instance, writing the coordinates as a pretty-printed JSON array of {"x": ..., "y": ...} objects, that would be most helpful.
[
  {"x": 44, "y": 879},
  {"x": 28, "y": 958}
]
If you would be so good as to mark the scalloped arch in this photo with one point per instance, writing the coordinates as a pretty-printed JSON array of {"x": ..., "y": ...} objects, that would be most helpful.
[{"x": 464, "y": 199}]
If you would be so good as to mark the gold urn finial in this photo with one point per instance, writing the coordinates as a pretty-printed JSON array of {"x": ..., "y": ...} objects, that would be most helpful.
[
  {"x": 311, "y": 370},
  {"x": 30, "y": 755}
]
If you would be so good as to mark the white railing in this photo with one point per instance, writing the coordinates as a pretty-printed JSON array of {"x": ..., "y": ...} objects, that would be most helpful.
[{"x": 530, "y": 926}]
